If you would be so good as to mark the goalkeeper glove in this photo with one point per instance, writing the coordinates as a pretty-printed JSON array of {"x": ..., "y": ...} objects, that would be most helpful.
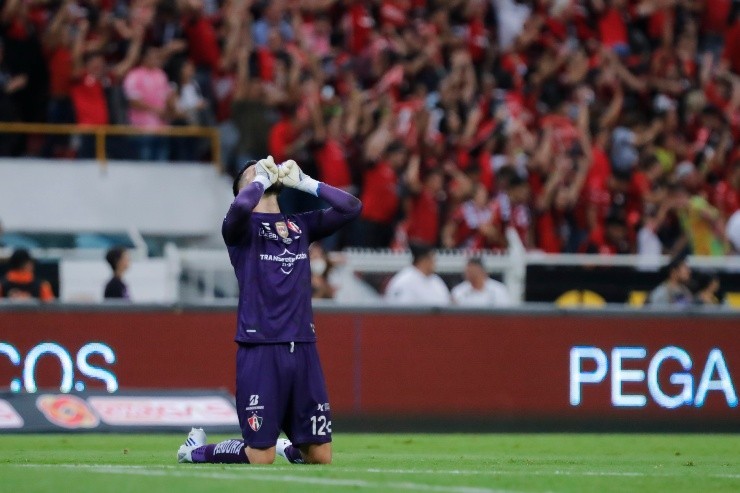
[
  {"x": 292, "y": 176},
  {"x": 266, "y": 172}
]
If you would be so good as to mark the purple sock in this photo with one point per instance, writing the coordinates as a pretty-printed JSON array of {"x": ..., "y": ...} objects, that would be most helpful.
[
  {"x": 293, "y": 454},
  {"x": 226, "y": 452}
]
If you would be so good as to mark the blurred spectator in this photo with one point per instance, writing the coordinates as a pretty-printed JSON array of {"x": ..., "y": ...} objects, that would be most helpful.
[
  {"x": 150, "y": 100},
  {"x": 674, "y": 290},
  {"x": 511, "y": 209},
  {"x": 705, "y": 288},
  {"x": 58, "y": 42},
  {"x": 188, "y": 109},
  {"x": 10, "y": 85},
  {"x": 422, "y": 207},
  {"x": 599, "y": 106},
  {"x": 478, "y": 289},
  {"x": 733, "y": 232},
  {"x": 701, "y": 223},
  {"x": 286, "y": 138},
  {"x": 613, "y": 239},
  {"x": 650, "y": 246},
  {"x": 203, "y": 42},
  {"x": 20, "y": 283},
  {"x": 417, "y": 284},
  {"x": 94, "y": 87},
  {"x": 470, "y": 226},
  {"x": 246, "y": 134},
  {"x": 331, "y": 153},
  {"x": 320, "y": 266},
  {"x": 189, "y": 100},
  {"x": 380, "y": 198},
  {"x": 731, "y": 56},
  {"x": 511, "y": 16},
  {"x": 119, "y": 261},
  {"x": 20, "y": 29},
  {"x": 272, "y": 18}
]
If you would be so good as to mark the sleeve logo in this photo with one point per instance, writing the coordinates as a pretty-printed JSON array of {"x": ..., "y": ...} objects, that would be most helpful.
[{"x": 294, "y": 227}]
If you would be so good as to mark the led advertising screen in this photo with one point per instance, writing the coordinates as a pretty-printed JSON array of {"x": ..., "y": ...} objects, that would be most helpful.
[{"x": 570, "y": 367}]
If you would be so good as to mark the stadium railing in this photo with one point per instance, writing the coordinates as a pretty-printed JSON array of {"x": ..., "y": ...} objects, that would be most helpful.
[
  {"x": 205, "y": 275},
  {"x": 101, "y": 132},
  {"x": 208, "y": 275}
]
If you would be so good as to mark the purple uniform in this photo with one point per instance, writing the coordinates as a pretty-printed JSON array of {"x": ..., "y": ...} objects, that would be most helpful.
[{"x": 280, "y": 384}]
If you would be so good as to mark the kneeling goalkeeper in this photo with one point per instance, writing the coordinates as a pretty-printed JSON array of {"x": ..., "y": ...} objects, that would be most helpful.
[{"x": 279, "y": 381}]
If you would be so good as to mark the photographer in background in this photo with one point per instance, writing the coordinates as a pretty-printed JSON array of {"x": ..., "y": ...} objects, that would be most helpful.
[
  {"x": 480, "y": 290},
  {"x": 119, "y": 261},
  {"x": 20, "y": 283},
  {"x": 674, "y": 290},
  {"x": 706, "y": 289}
]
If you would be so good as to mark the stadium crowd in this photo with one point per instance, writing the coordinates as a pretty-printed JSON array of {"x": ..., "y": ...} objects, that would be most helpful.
[{"x": 604, "y": 126}]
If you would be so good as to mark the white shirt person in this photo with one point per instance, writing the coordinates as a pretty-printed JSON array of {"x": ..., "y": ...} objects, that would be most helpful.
[
  {"x": 417, "y": 284},
  {"x": 479, "y": 290}
]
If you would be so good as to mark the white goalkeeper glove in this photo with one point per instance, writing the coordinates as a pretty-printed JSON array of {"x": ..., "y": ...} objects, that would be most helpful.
[
  {"x": 291, "y": 175},
  {"x": 266, "y": 172}
]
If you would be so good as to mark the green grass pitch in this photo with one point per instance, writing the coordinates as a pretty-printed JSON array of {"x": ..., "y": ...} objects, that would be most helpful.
[{"x": 373, "y": 462}]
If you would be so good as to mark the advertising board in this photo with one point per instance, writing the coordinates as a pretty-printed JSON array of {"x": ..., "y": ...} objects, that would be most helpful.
[{"x": 560, "y": 366}]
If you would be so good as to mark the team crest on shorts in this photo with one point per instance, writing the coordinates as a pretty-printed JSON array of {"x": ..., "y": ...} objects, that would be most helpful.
[
  {"x": 293, "y": 227},
  {"x": 255, "y": 422},
  {"x": 281, "y": 229}
]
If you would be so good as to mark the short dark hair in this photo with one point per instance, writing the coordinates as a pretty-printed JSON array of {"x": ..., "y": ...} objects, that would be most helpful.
[
  {"x": 615, "y": 219},
  {"x": 19, "y": 258},
  {"x": 92, "y": 54},
  {"x": 394, "y": 146},
  {"x": 476, "y": 261},
  {"x": 148, "y": 47},
  {"x": 420, "y": 251},
  {"x": 238, "y": 177},
  {"x": 702, "y": 281},
  {"x": 435, "y": 171},
  {"x": 517, "y": 181},
  {"x": 676, "y": 262},
  {"x": 114, "y": 256}
]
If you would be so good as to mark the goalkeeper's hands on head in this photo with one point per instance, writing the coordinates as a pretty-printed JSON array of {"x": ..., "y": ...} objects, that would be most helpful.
[
  {"x": 266, "y": 172},
  {"x": 291, "y": 175}
]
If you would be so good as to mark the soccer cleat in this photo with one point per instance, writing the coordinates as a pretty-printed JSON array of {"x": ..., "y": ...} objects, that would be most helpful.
[
  {"x": 281, "y": 445},
  {"x": 196, "y": 438}
]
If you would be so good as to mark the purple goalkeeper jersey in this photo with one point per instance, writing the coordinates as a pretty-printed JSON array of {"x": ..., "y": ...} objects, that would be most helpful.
[{"x": 269, "y": 253}]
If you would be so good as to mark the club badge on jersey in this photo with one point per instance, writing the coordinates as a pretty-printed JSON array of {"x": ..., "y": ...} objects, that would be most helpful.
[
  {"x": 282, "y": 230},
  {"x": 255, "y": 422}
]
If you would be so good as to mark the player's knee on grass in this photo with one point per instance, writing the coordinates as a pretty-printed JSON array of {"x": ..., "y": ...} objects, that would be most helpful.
[
  {"x": 261, "y": 456},
  {"x": 317, "y": 453}
]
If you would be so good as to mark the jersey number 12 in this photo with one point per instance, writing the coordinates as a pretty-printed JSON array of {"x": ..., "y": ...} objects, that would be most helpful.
[{"x": 320, "y": 425}]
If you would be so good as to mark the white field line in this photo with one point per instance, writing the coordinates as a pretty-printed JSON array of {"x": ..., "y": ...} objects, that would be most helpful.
[
  {"x": 248, "y": 474},
  {"x": 376, "y": 470},
  {"x": 449, "y": 472},
  {"x": 556, "y": 472}
]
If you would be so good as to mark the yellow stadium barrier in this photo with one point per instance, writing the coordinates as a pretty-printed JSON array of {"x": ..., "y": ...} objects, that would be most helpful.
[
  {"x": 637, "y": 298},
  {"x": 102, "y": 131},
  {"x": 584, "y": 298},
  {"x": 732, "y": 299}
]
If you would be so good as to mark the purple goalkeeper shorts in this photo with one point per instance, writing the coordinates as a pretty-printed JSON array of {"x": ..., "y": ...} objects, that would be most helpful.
[{"x": 281, "y": 387}]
